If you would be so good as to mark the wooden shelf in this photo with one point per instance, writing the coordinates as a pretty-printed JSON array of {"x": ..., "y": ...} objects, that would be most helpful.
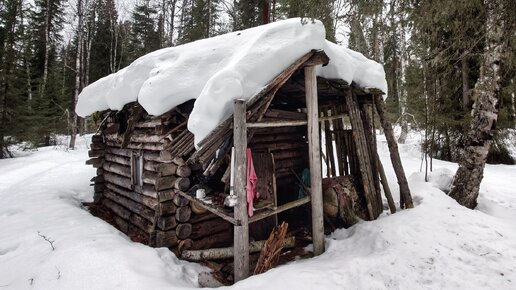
[{"x": 259, "y": 215}]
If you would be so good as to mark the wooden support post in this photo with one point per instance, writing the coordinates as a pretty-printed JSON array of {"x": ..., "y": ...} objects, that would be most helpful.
[
  {"x": 314, "y": 157},
  {"x": 406, "y": 198},
  {"x": 241, "y": 236}
]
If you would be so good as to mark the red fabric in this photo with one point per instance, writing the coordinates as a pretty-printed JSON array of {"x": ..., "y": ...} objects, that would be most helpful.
[{"x": 251, "y": 182}]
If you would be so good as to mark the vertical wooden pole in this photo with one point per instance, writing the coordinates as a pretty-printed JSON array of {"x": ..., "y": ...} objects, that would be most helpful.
[
  {"x": 241, "y": 233},
  {"x": 314, "y": 157}
]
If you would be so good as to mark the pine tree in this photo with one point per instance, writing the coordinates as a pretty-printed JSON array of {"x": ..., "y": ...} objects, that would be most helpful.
[
  {"x": 144, "y": 36},
  {"x": 199, "y": 19}
]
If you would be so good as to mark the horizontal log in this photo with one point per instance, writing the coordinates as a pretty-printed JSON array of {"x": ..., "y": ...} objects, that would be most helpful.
[
  {"x": 148, "y": 190},
  {"x": 118, "y": 180},
  {"x": 273, "y": 124},
  {"x": 280, "y": 146},
  {"x": 122, "y": 160},
  {"x": 97, "y": 139},
  {"x": 95, "y": 162},
  {"x": 166, "y": 208},
  {"x": 149, "y": 123},
  {"x": 166, "y": 195},
  {"x": 166, "y": 238},
  {"x": 118, "y": 151},
  {"x": 99, "y": 187},
  {"x": 131, "y": 205},
  {"x": 98, "y": 146},
  {"x": 276, "y": 138},
  {"x": 226, "y": 253},
  {"x": 140, "y": 198},
  {"x": 96, "y": 153},
  {"x": 207, "y": 228},
  {"x": 179, "y": 200},
  {"x": 221, "y": 239},
  {"x": 137, "y": 146},
  {"x": 117, "y": 169},
  {"x": 183, "y": 171},
  {"x": 275, "y": 113},
  {"x": 166, "y": 222},
  {"x": 159, "y": 182},
  {"x": 196, "y": 209},
  {"x": 182, "y": 183},
  {"x": 290, "y": 154},
  {"x": 117, "y": 209},
  {"x": 183, "y": 214},
  {"x": 129, "y": 216},
  {"x": 183, "y": 245},
  {"x": 183, "y": 231},
  {"x": 162, "y": 169},
  {"x": 197, "y": 218}
]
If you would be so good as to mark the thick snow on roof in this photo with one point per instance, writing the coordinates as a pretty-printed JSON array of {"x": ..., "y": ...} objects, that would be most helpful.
[{"x": 218, "y": 70}]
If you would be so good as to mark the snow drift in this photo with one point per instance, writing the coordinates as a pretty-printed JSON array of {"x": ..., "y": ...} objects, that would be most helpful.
[{"x": 218, "y": 70}]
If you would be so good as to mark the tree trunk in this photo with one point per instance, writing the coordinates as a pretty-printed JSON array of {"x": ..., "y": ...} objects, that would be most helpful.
[
  {"x": 465, "y": 84},
  {"x": 78, "y": 68},
  {"x": 476, "y": 144}
]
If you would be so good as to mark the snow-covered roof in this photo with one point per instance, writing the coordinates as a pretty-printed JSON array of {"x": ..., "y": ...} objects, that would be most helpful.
[{"x": 218, "y": 70}]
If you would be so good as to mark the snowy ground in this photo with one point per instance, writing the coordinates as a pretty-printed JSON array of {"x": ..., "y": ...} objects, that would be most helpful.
[{"x": 437, "y": 245}]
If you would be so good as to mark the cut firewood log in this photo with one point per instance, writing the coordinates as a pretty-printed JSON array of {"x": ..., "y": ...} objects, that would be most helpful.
[
  {"x": 183, "y": 214},
  {"x": 197, "y": 209},
  {"x": 225, "y": 253},
  {"x": 183, "y": 231},
  {"x": 183, "y": 171},
  {"x": 179, "y": 200}
]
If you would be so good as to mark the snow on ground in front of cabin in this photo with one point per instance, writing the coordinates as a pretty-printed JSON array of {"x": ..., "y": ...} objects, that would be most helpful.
[{"x": 437, "y": 245}]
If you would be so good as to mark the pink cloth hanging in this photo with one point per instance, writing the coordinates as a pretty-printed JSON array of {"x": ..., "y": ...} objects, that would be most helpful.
[{"x": 251, "y": 183}]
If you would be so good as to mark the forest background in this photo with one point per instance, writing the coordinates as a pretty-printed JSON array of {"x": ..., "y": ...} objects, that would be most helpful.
[{"x": 432, "y": 52}]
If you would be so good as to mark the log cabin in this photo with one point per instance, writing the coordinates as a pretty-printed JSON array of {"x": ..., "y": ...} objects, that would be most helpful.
[{"x": 311, "y": 140}]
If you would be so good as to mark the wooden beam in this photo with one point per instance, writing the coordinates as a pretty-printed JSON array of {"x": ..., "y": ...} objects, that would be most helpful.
[
  {"x": 276, "y": 124},
  {"x": 241, "y": 233},
  {"x": 211, "y": 208},
  {"x": 363, "y": 156},
  {"x": 281, "y": 208},
  {"x": 314, "y": 153},
  {"x": 406, "y": 198}
]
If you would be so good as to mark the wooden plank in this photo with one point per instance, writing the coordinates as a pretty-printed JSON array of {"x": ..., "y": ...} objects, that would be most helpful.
[
  {"x": 276, "y": 124},
  {"x": 241, "y": 233},
  {"x": 362, "y": 153},
  {"x": 279, "y": 209},
  {"x": 213, "y": 209},
  {"x": 314, "y": 153}
]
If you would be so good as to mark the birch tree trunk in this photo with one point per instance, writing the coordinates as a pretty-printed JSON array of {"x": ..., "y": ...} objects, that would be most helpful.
[
  {"x": 476, "y": 143},
  {"x": 47, "y": 50},
  {"x": 402, "y": 91},
  {"x": 78, "y": 70}
]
